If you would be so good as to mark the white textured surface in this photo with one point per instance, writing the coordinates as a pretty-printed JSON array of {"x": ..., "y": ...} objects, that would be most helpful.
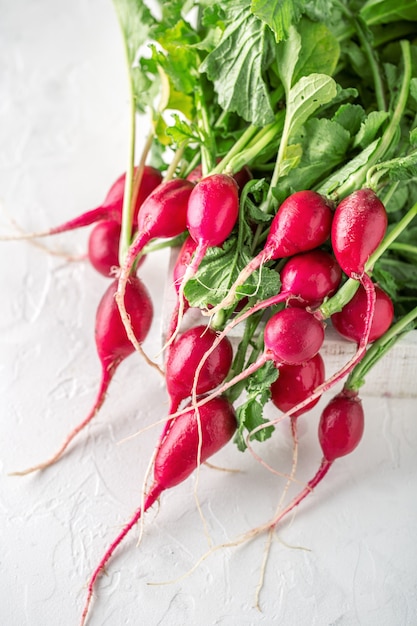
[{"x": 63, "y": 138}]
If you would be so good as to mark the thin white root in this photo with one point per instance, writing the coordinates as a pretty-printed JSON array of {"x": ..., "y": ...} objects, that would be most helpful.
[
  {"x": 231, "y": 470},
  {"x": 31, "y": 238},
  {"x": 267, "y": 552}
]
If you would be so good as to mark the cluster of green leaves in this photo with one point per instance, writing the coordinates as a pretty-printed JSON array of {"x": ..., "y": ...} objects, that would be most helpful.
[{"x": 310, "y": 94}]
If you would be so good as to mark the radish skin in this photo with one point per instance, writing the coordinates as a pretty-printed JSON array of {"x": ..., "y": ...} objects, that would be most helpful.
[
  {"x": 359, "y": 225},
  {"x": 295, "y": 383},
  {"x": 103, "y": 247}
]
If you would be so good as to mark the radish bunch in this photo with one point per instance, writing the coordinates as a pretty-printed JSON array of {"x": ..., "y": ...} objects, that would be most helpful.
[
  {"x": 318, "y": 247},
  {"x": 198, "y": 360},
  {"x": 266, "y": 264}
]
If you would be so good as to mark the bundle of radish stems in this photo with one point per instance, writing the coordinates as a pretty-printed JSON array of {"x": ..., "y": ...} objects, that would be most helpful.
[{"x": 298, "y": 259}]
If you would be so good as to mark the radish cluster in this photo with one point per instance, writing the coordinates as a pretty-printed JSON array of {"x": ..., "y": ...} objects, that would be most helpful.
[
  {"x": 314, "y": 246},
  {"x": 266, "y": 171}
]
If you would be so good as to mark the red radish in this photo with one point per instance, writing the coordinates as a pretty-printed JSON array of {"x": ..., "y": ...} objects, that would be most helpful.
[
  {"x": 341, "y": 425},
  {"x": 359, "y": 225},
  {"x": 350, "y": 321},
  {"x": 113, "y": 346},
  {"x": 340, "y": 432},
  {"x": 191, "y": 441},
  {"x": 212, "y": 212},
  {"x": 110, "y": 209},
  {"x": 103, "y": 247},
  {"x": 184, "y": 356},
  {"x": 295, "y": 383},
  {"x": 310, "y": 277},
  {"x": 302, "y": 223},
  {"x": 162, "y": 215},
  {"x": 291, "y": 336}
]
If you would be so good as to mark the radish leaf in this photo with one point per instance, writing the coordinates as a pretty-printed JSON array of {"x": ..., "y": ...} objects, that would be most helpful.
[{"x": 237, "y": 64}]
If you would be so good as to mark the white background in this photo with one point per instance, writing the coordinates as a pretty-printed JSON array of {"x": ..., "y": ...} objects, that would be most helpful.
[{"x": 349, "y": 554}]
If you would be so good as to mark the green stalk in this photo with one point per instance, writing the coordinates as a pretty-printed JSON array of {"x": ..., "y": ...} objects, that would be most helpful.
[
  {"x": 270, "y": 200},
  {"x": 208, "y": 144},
  {"x": 241, "y": 143},
  {"x": 405, "y": 248},
  {"x": 376, "y": 74},
  {"x": 389, "y": 193},
  {"x": 349, "y": 288},
  {"x": 370, "y": 53},
  {"x": 357, "y": 179},
  {"x": 261, "y": 141},
  {"x": 191, "y": 165},
  {"x": 179, "y": 153},
  {"x": 127, "y": 210},
  {"x": 161, "y": 244},
  {"x": 378, "y": 349}
]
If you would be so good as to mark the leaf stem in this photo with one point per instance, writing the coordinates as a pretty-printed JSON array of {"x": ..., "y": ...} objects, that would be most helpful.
[
  {"x": 374, "y": 65},
  {"x": 378, "y": 349},
  {"x": 127, "y": 210},
  {"x": 258, "y": 143},
  {"x": 208, "y": 144},
  {"x": 179, "y": 153},
  {"x": 241, "y": 143},
  {"x": 239, "y": 363}
]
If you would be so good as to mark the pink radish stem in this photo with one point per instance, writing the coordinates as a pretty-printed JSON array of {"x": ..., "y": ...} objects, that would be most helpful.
[{"x": 110, "y": 209}]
